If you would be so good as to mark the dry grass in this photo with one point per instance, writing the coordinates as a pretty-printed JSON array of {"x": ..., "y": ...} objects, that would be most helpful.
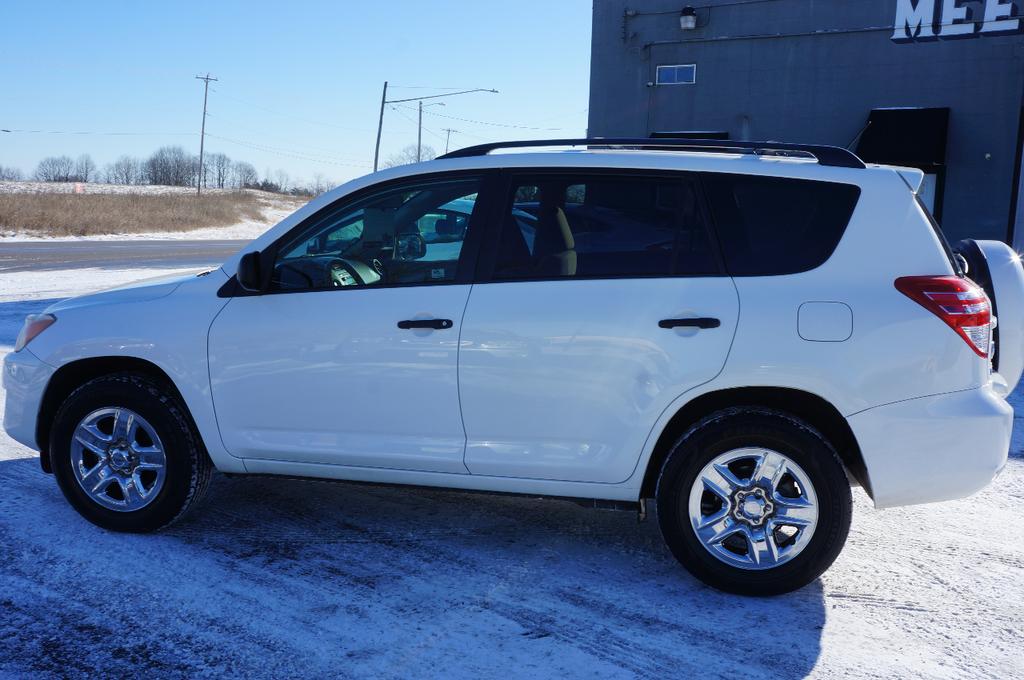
[{"x": 48, "y": 214}]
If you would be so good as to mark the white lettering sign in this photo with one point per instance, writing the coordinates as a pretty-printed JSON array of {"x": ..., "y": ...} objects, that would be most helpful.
[
  {"x": 956, "y": 19},
  {"x": 930, "y": 19}
]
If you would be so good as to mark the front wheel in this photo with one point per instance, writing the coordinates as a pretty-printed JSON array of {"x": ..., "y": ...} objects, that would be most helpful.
[
  {"x": 754, "y": 501},
  {"x": 126, "y": 455}
]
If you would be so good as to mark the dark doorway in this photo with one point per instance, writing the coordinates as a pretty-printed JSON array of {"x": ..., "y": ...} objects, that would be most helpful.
[{"x": 913, "y": 138}]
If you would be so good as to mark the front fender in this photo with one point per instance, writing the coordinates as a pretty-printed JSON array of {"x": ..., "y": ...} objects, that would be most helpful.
[{"x": 165, "y": 327}]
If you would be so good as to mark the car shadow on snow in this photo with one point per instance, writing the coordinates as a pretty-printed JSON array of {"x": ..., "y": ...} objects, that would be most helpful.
[
  {"x": 12, "y": 315},
  {"x": 286, "y": 577}
]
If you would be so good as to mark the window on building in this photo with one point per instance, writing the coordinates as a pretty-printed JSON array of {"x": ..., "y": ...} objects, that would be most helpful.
[{"x": 678, "y": 74}]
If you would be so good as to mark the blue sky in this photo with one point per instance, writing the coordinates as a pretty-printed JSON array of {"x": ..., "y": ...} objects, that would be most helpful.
[{"x": 300, "y": 82}]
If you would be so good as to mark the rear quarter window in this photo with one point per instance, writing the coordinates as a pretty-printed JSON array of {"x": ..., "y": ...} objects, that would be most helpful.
[{"x": 771, "y": 226}]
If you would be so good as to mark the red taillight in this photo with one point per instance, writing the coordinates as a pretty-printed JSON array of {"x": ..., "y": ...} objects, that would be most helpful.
[{"x": 959, "y": 302}]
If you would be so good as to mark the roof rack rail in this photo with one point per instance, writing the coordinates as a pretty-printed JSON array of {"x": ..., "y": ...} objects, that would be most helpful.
[{"x": 833, "y": 156}]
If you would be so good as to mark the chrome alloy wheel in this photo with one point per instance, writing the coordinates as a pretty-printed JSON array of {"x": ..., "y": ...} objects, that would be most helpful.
[
  {"x": 118, "y": 459},
  {"x": 753, "y": 508}
]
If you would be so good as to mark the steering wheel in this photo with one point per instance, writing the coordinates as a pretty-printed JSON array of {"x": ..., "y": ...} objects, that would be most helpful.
[{"x": 379, "y": 267}]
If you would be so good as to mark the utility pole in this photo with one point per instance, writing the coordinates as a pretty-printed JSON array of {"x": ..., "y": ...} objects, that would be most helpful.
[
  {"x": 448, "y": 138},
  {"x": 419, "y": 135},
  {"x": 419, "y": 130},
  {"x": 384, "y": 100},
  {"x": 380, "y": 125},
  {"x": 202, "y": 130}
]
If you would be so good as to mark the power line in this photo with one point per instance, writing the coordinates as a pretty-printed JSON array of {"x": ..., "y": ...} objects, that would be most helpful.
[
  {"x": 285, "y": 144},
  {"x": 562, "y": 115},
  {"x": 492, "y": 124},
  {"x": 288, "y": 115},
  {"x": 427, "y": 87},
  {"x": 385, "y": 101},
  {"x": 436, "y": 96},
  {"x": 409, "y": 118},
  {"x": 287, "y": 153},
  {"x": 92, "y": 132},
  {"x": 471, "y": 135},
  {"x": 272, "y": 147}
]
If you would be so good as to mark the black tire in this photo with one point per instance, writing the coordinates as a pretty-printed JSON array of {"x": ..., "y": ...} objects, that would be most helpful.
[
  {"x": 188, "y": 467},
  {"x": 738, "y": 428}
]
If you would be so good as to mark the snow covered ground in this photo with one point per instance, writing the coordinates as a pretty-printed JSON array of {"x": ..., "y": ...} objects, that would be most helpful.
[
  {"x": 274, "y": 208},
  {"x": 273, "y": 211},
  {"x": 33, "y": 187},
  {"x": 284, "y": 578}
]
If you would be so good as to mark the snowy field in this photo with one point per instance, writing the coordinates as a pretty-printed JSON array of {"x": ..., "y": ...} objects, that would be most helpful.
[
  {"x": 288, "y": 578},
  {"x": 32, "y": 187},
  {"x": 274, "y": 208}
]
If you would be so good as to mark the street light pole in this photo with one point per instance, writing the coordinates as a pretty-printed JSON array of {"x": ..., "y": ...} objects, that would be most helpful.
[
  {"x": 380, "y": 125},
  {"x": 384, "y": 100}
]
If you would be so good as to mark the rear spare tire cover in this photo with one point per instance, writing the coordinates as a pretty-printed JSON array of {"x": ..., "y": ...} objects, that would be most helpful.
[{"x": 996, "y": 267}]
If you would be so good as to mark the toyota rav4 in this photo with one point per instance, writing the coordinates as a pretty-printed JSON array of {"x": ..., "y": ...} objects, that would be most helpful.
[{"x": 739, "y": 331}]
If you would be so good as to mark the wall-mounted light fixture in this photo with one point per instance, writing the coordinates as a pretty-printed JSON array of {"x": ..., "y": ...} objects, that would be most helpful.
[{"x": 688, "y": 18}]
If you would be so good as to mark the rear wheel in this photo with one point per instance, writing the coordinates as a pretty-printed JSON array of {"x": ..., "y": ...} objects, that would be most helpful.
[
  {"x": 126, "y": 456},
  {"x": 754, "y": 501}
]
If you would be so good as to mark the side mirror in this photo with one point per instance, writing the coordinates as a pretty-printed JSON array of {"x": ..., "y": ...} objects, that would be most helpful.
[
  {"x": 411, "y": 247},
  {"x": 248, "y": 273}
]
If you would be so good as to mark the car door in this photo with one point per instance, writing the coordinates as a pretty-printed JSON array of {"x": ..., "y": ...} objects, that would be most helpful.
[
  {"x": 601, "y": 300},
  {"x": 350, "y": 356}
]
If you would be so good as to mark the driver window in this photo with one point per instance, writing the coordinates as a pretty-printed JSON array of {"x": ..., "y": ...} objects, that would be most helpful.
[{"x": 410, "y": 234}]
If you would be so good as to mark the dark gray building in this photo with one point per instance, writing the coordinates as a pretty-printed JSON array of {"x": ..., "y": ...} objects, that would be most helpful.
[{"x": 934, "y": 84}]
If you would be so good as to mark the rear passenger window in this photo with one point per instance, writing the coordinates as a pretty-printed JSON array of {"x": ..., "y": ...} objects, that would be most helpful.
[
  {"x": 602, "y": 226},
  {"x": 771, "y": 225}
]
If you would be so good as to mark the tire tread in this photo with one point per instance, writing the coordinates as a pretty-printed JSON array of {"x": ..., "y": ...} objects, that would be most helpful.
[
  {"x": 739, "y": 420},
  {"x": 201, "y": 466}
]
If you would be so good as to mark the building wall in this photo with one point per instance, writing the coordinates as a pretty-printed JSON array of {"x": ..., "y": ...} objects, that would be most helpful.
[{"x": 820, "y": 68}]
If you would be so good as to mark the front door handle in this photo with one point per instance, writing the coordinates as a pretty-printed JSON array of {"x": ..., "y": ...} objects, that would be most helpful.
[
  {"x": 698, "y": 322},
  {"x": 436, "y": 324}
]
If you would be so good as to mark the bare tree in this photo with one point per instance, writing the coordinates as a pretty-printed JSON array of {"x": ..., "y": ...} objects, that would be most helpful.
[
  {"x": 320, "y": 185},
  {"x": 218, "y": 166},
  {"x": 10, "y": 174},
  {"x": 172, "y": 166},
  {"x": 244, "y": 175},
  {"x": 125, "y": 170},
  {"x": 408, "y": 155},
  {"x": 168, "y": 165},
  {"x": 283, "y": 181},
  {"x": 85, "y": 169},
  {"x": 55, "y": 169}
]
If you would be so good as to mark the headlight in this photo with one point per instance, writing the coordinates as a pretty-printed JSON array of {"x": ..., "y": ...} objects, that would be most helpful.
[{"x": 34, "y": 325}]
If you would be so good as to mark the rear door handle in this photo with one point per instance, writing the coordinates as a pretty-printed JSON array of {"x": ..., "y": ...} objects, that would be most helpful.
[
  {"x": 698, "y": 322},
  {"x": 436, "y": 324}
]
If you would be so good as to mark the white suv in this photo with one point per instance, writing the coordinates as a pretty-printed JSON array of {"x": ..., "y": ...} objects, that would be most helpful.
[{"x": 737, "y": 331}]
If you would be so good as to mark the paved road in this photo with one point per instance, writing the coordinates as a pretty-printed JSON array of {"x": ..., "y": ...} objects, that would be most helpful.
[{"x": 41, "y": 255}]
